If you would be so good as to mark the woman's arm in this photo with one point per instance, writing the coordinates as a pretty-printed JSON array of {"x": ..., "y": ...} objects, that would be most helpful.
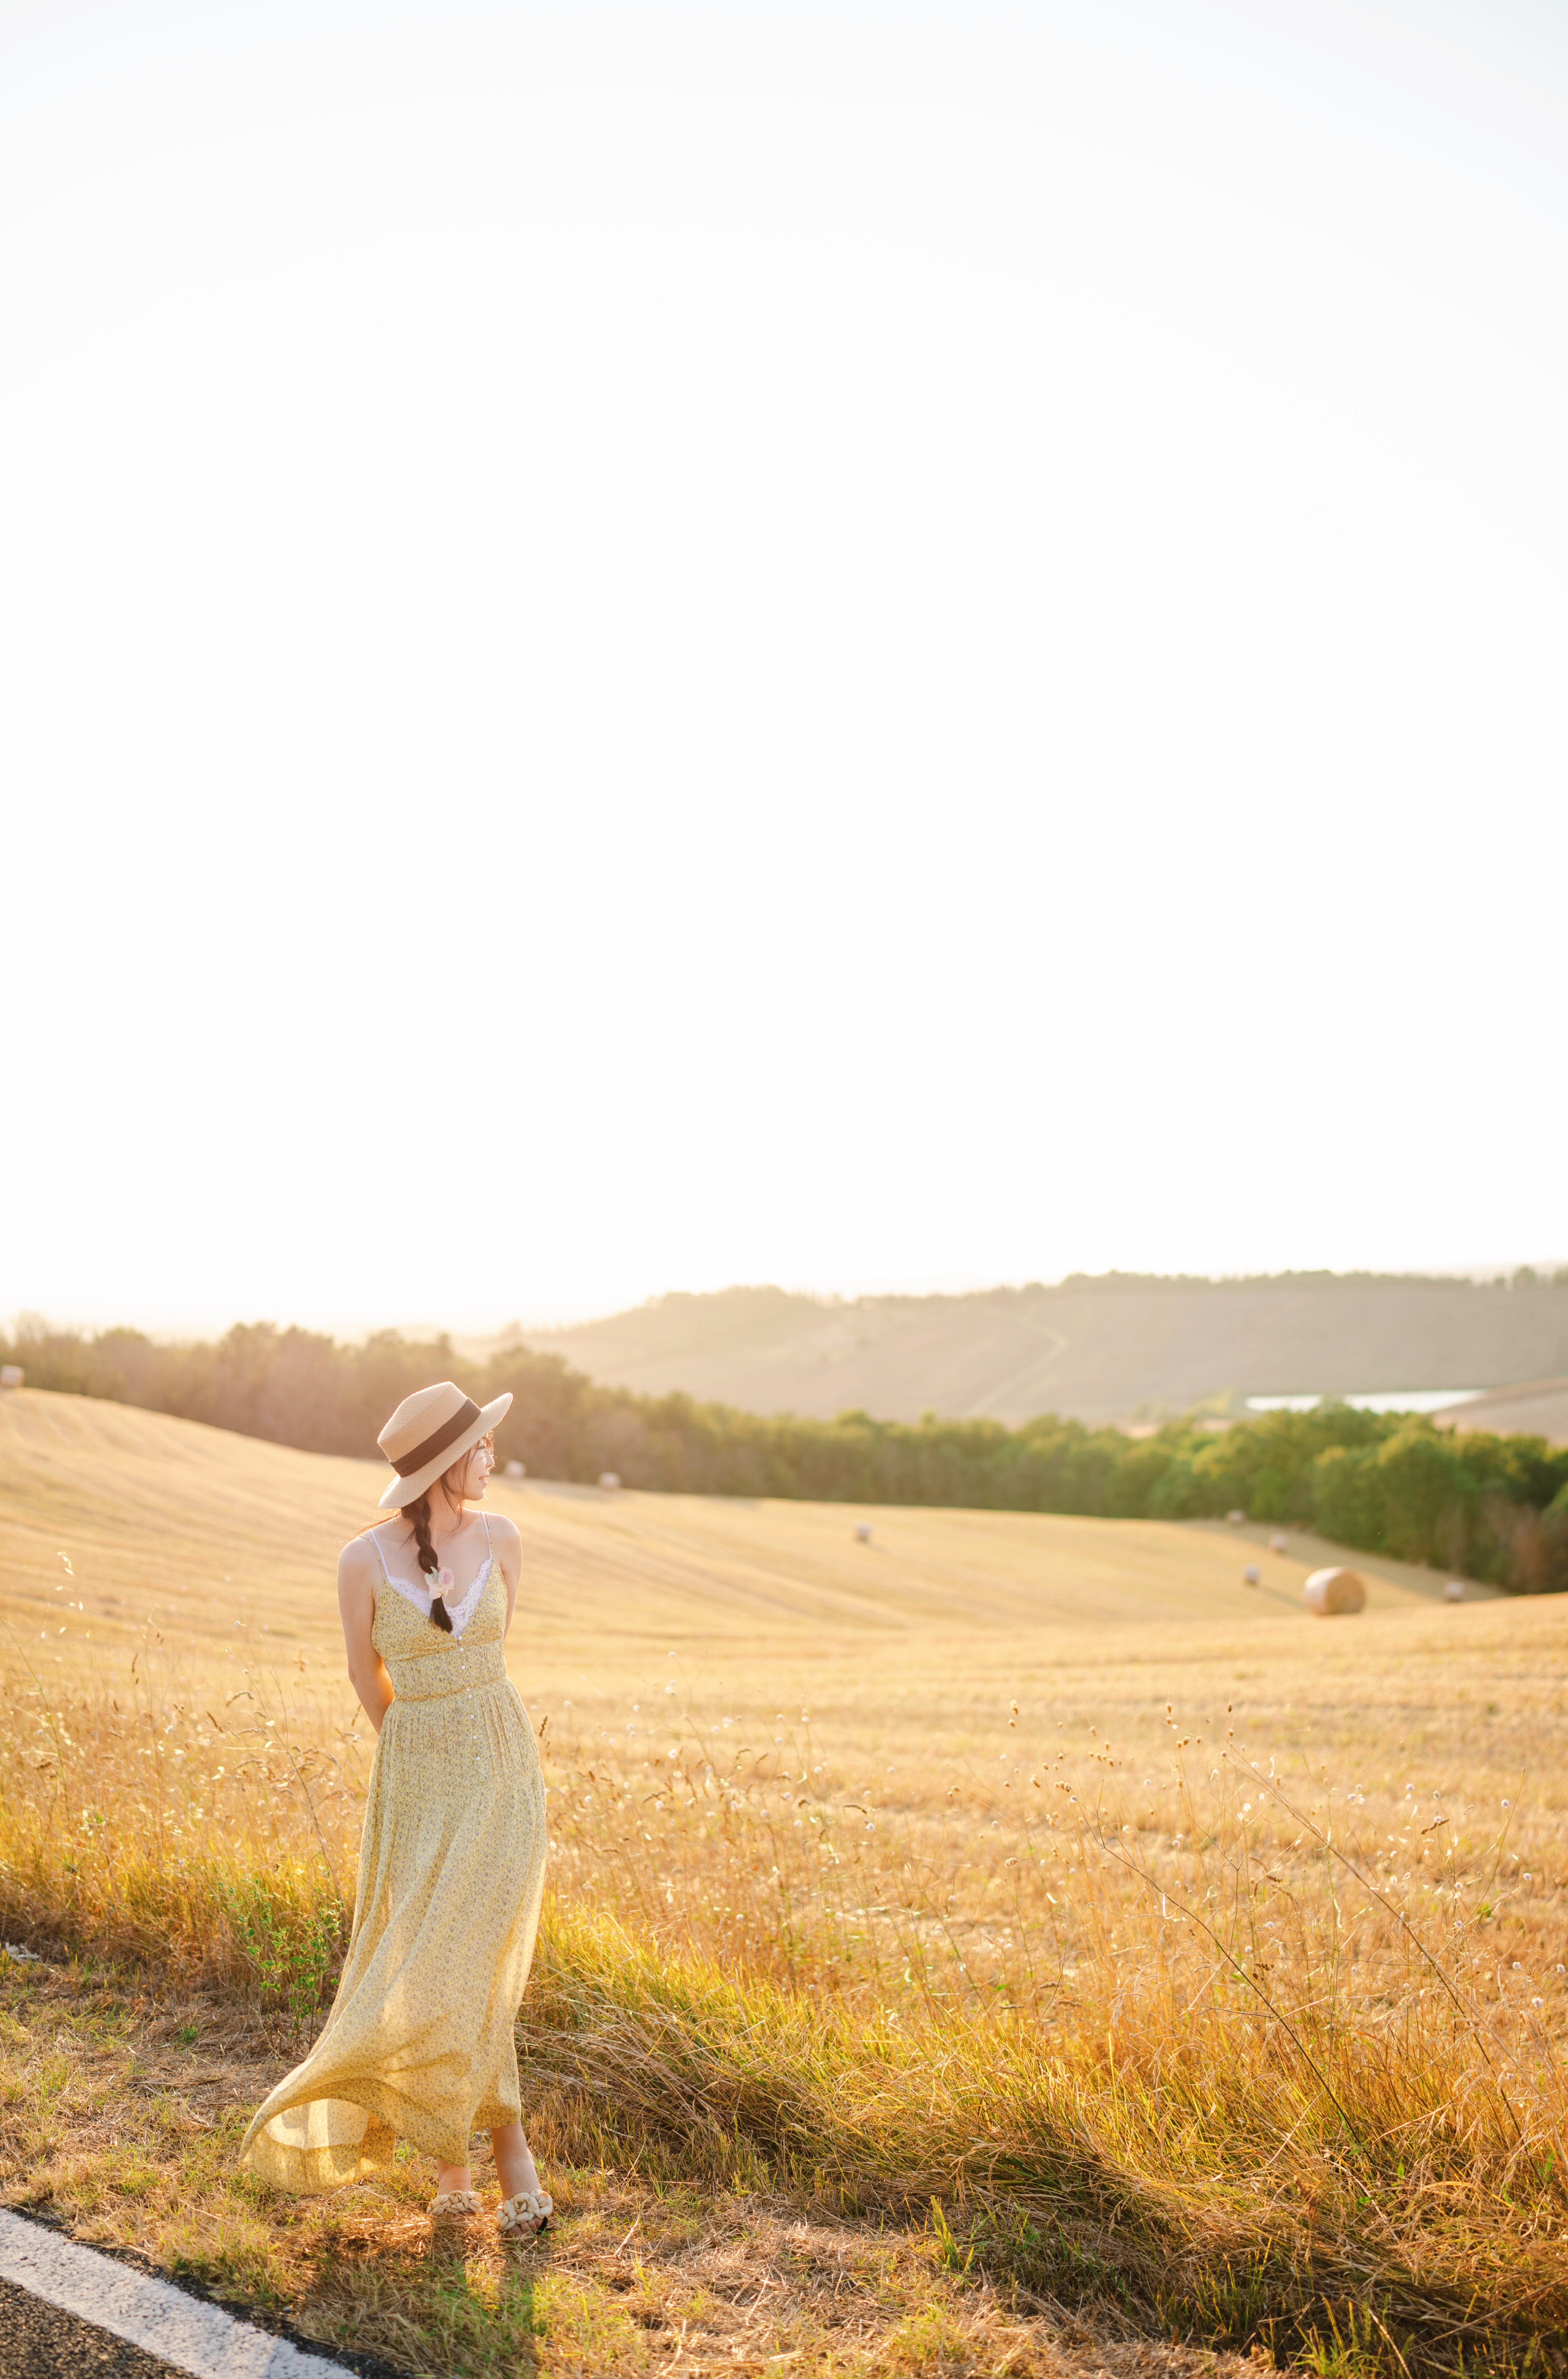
[
  {"x": 357, "y": 1602},
  {"x": 508, "y": 1553}
]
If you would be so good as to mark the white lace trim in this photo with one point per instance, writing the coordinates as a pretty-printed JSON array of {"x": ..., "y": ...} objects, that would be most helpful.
[{"x": 459, "y": 1613}]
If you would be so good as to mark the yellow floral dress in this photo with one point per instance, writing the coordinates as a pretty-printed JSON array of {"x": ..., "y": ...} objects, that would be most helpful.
[{"x": 419, "y": 2042}]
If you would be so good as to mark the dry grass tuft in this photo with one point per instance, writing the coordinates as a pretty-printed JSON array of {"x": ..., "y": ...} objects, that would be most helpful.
[{"x": 120, "y": 2114}]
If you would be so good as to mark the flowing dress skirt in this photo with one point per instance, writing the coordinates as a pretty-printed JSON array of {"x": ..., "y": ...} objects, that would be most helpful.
[{"x": 420, "y": 2044}]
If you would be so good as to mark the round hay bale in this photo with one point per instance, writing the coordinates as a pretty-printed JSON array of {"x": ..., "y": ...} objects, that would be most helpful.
[
  {"x": 1455, "y": 1590},
  {"x": 610, "y": 1480},
  {"x": 517, "y": 1470},
  {"x": 862, "y": 1532},
  {"x": 1251, "y": 1575},
  {"x": 1279, "y": 1542},
  {"x": 1236, "y": 1519},
  {"x": 1335, "y": 1593}
]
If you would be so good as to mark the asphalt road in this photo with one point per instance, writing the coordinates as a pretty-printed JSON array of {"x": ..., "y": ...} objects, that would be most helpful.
[
  {"x": 67, "y": 2308},
  {"x": 39, "y": 2342}
]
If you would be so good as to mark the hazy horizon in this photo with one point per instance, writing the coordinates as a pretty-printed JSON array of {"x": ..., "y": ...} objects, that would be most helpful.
[{"x": 350, "y": 1329}]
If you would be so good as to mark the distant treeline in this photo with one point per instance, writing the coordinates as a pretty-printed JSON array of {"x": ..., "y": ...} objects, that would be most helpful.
[{"x": 1491, "y": 1507}]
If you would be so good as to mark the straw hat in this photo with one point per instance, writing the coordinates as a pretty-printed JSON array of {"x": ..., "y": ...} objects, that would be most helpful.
[{"x": 430, "y": 1431}]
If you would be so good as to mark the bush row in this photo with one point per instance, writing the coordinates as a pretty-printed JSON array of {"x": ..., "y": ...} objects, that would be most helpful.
[{"x": 1492, "y": 1507}]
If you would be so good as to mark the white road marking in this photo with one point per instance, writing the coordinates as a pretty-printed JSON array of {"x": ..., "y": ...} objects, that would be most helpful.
[{"x": 197, "y": 2338}]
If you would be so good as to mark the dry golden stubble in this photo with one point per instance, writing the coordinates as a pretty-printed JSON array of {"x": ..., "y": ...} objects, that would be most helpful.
[{"x": 868, "y": 1848}]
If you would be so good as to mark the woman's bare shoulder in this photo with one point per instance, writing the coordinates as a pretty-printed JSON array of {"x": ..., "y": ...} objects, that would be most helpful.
[
  {"x": 504, "y": 1530},
  {"x": 358, "y": 1559}
]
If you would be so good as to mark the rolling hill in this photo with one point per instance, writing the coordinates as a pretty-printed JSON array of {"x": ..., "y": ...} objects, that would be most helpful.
[
  {"x": 1533, "y": 1408},
  {"x": 114, "y": 1522},
  {"x": 1102, "y": 1349}
]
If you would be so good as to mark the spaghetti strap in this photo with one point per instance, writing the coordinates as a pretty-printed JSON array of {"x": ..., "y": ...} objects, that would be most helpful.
[
  {"x": 379, "y": 1554},
  {"x": 489, "y": 1549}
]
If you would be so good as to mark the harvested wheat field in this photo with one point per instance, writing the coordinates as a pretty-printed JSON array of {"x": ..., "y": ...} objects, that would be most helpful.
[{"x": 1011, "y": 1943}]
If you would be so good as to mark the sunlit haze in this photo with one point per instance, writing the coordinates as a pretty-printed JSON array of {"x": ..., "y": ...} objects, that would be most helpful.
[{"x": 872, "y": 647}]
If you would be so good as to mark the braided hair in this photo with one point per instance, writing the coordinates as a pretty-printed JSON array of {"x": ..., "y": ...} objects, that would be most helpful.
[{"x": 417, "y": 1516}]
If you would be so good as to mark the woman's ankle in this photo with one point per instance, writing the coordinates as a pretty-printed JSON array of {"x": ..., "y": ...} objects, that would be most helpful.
[{"x": 516, "y": 2170}]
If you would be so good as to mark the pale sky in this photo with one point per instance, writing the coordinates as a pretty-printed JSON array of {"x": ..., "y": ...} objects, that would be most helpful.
[{"x": 871, "y": 647}]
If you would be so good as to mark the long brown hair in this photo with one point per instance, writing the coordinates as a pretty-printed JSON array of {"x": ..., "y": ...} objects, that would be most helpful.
[{"x": 417, "y": 1516}]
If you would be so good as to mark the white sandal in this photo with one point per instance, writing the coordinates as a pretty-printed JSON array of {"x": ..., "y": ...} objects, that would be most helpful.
[
  {"x": 453, "y": 2205},
  {"x": 525, "y": 2215}
]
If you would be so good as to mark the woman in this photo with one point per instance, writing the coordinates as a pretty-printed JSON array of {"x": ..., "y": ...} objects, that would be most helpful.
[{"x": 419, "y": 2042}]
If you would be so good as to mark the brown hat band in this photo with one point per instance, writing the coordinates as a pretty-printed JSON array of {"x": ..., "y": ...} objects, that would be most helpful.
[{"x": 405, "y": 1465}]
